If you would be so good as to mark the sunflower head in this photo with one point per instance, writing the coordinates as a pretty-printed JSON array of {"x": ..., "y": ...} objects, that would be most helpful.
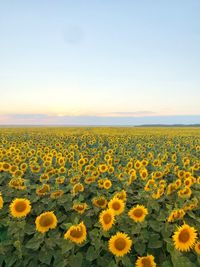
[
  {"x": 184, "y": 238},
  {"x": 107, "y": 219},
  {"x": 20, "y": 207},
  {"x": 80, "y": 207},
  {"x": 197, "y": 248},
  {"x": 56, "y": 194},
  {"x": 138, "y": 213},
  {"x": 1, "y": 201},
  {"x": 76, "y": 233},
  {"x": 117, "y": 205},
  {"x": 120, "y": 244},
  {"x": 100, "y": 202},
  {"x": 107, "y": 184},
  {"x": 147, "y": 261},
  {"x": 46, "y": 221}
]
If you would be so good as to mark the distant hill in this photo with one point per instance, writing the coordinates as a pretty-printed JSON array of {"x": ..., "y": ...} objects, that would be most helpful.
[{"x": 168, "y": 125}]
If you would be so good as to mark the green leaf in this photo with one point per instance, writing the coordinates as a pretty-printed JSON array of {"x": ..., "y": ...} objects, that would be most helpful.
[
  {"x": 167, "y": 264},
  {"x": 91, "y": 254},
  {"x": 35, "y": 242},
  {"x": 126, "y": 261},
  {"x": 112, "y": 264},
  {"x": 180, "y": 261},
  {"x": 65, "y": 245},
  {"x": 10, "y": 260},
  {"x": 139, "y": 247},
  {"x": 76, "y": 260},
  {"x": 154, "y": 241},
  {"x": 155, "y": 225},
  {"x": 45, "y": 256}
]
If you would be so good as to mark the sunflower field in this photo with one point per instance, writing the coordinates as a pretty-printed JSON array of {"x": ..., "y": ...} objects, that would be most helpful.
[{"x": 100, "y": 197}]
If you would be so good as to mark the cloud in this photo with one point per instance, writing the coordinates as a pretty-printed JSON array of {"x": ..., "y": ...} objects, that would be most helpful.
[
  {"x": 128, "y": 114},
  {"x": 44, "y": 119}
]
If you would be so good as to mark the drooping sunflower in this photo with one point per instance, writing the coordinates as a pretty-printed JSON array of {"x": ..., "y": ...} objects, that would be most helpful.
[
  {"x": 197, "y": 247},
  {"x": 44, "y": 177},
  {"x": 120, "y": 244},
  {"x": 186, "y": 192},
  {"x": 43, "y": 190},
  {"x": 147, "y": 261},
  {"x": 46, "y": 221},
  {"x": 100, "y": 202},
  {"x": 80, "y": 207},
  {"x": 107, "y": 219},
  {"x": 56, "y": 194},
  {"x": 117, "y": 205},
  {"x": 121, "y": 195},
  {"x": 176, "y": 215},
  {"x": 138, "y": 213},
  {"x": 184, "y": 238},
  {"x": 76, "y": 233},
  {"x": 77, "y": 188},
  {"x": 20, "y": 207}
]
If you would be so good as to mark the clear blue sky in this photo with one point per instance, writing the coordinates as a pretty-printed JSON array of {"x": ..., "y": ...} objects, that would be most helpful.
[{"x": 69, "y": 61}]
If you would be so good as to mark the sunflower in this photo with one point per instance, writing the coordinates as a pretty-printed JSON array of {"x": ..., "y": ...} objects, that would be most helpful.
[
  {"x": 17, "y": 183},
  {"x": 1, "y": 201},
  {"x": 46, "y": 221},
  {"x": 56, "y": 194},
  {"x": 186, "y": 192},
  {"x": 137, "y": 165},
  {"x": 44, "y": 177},
  {"x": 184, "y": 238},
  {"x": 121, "y": 195},
  {"x": 143, "y": 173},
  {"x": 138, "y": 213},
  {"x": 197, "y": 248},
  {"x": 147, "y": 261},
  {"x": 117, "y": 205},
  {"x": 103, "y": 168},
  {"x": 77, "y": 188},
  {"x": 101, "y": 183},
  {"x": 107, "y": 184},
  {"x": 99, "y": 202},
  {"x": 188, "y": 181},
  {"x": 89, "y": 180},
  {"x": 20, "y": 207},
  {"x": 120, "y": 244},
  {"x": 76, "y": 233},
  {"x": 176, "y": 215},
  {"x": 107, "y": 219},
  {"x": 80, "y": 207},
  {"x": 43, "y": 190}
]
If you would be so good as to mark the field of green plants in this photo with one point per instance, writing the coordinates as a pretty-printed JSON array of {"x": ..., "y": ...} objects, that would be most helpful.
[{"x": 82, "y": 197}]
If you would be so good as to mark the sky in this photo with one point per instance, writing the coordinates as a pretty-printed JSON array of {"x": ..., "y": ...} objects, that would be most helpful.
[{"x": 99, "y": 62}]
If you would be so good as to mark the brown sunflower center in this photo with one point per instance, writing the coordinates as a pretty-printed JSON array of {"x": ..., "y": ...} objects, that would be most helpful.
[
  {"x": 184, "y": 236},
  {"x": 101, "y": 202},
  {"x": 20, "y": 206},
  {"x": 116, "y": 206},
  {"x": 146, "y": 262},
  {"x": 138, "y": 213},
  {"x": 79, "y": 207},
  {"x": 120, "y": 243},
  {"x": 107, "y": 218},
  {"x": 76, "y": 233},
  {"x": 46, "y": 220}
]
